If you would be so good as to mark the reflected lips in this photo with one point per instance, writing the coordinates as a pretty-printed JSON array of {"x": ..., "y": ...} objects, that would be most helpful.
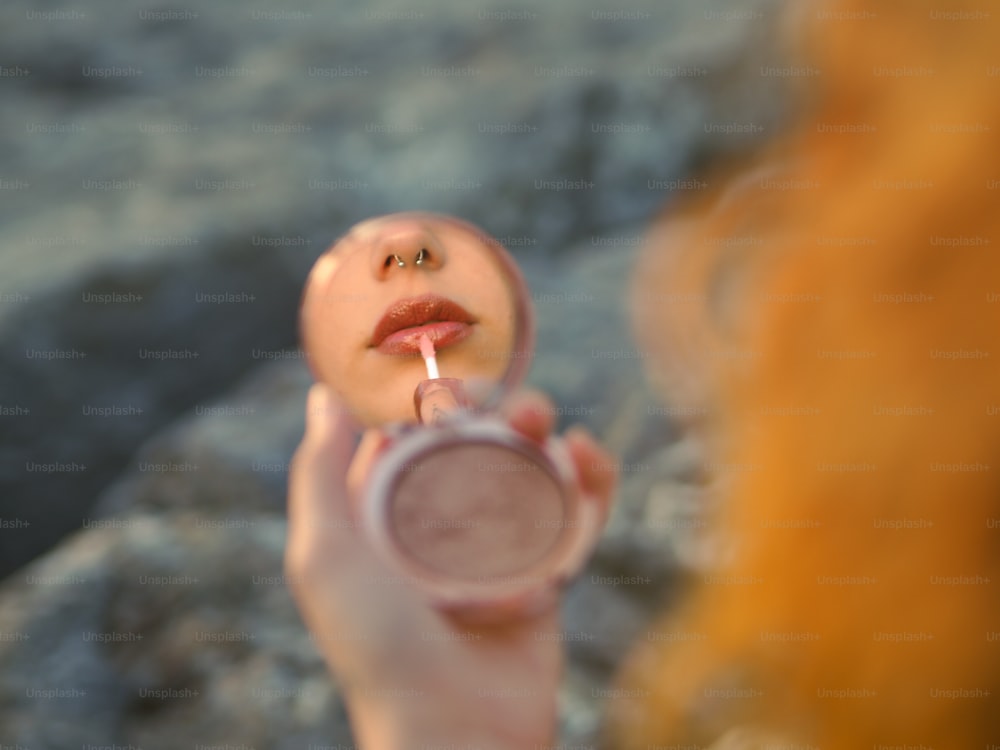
[{"x": 400, "y": 327}]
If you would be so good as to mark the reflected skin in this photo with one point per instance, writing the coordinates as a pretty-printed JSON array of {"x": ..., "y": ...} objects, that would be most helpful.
[{"x": 352, "y": 286}]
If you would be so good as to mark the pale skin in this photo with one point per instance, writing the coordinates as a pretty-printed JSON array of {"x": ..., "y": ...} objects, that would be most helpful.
[{"x": 412, "y": 676}]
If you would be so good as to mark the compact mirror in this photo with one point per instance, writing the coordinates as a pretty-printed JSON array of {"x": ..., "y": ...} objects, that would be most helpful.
[
  {"x": 390, "y": 280},
  {"x": 398, "y": 317}
]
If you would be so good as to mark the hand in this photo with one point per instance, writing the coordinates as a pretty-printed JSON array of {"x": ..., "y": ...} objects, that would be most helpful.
[{"x": 411, "y": 675}]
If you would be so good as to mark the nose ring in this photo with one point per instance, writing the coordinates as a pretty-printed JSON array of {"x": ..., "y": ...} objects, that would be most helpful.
[{"x": 421, "y": 256}]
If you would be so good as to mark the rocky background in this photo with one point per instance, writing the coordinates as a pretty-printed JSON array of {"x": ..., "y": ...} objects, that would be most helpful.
[{"x": 168, "y": 174}]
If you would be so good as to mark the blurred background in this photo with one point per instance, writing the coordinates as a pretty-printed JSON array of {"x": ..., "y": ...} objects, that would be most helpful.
[{"x": 168, "y": 175}]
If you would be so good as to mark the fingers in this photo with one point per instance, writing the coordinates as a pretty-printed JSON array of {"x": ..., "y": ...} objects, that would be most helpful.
[
  {"x": 597, "y": 469},
  {"x": 531, "y": 414},
  {"x": 318, "y": 509},
  {"x": 436, "y": 399},
  {"x": 372, "y": 443},
  {"x": 328, "y": 561}
]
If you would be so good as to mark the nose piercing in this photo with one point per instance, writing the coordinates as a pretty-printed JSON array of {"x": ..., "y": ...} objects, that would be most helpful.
[{"x": 421, "y": 257}]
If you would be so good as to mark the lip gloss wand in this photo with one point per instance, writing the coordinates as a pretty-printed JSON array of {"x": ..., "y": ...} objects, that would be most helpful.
[
  {"x": 427, "y": 352},
  {"x": 437, "y": 398}
]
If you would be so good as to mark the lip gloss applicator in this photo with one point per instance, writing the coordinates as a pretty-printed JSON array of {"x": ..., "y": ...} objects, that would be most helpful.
[
  {"x": 427, "y": 352},
  {"x": 436, "y": 398}
]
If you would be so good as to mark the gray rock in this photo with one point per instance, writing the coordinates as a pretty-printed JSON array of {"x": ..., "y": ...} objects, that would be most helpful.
[
  {"x": 228, "y": 457},
  {"x": 161, "y": 632},
  {"x": 56, "y": 685},
  {"x": 661, "y": 522},
  {"x": 91, "y": 380},
  {"x": 585, "y": 356}
]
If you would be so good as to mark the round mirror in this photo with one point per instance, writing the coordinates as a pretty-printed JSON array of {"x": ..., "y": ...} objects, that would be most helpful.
[{"x": 392, "y": 279}]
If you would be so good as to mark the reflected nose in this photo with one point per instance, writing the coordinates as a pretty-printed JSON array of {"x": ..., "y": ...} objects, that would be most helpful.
[{"x": 405, "y": 247}]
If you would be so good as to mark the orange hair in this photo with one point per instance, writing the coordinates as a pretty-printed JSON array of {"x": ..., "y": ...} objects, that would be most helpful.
[{"x": 857, "y": 602}]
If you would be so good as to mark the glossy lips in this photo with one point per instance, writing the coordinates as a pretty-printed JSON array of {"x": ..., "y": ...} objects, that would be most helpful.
[{"x": 399, "y": 330}]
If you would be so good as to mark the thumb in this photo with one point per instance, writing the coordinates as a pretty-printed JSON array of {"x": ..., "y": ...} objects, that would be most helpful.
[
  {"x": 597, "y": 469},
  {"x": 319, "y": 512}
]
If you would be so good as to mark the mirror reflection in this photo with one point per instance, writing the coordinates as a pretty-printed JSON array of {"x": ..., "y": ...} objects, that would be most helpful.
[{"x": 393, "y": 280}]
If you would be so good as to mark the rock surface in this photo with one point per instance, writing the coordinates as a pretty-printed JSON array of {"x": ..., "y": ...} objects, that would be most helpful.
[
  {"x": 165, "y": 631},
  {"x": 164, "y": 195}
]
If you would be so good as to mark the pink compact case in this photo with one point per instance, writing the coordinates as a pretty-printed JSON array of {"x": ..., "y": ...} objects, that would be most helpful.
[{"x": 488, "y": 522}]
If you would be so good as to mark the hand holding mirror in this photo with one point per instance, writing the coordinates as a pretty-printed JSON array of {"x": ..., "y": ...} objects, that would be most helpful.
[{"x": 397, "y": 317}]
